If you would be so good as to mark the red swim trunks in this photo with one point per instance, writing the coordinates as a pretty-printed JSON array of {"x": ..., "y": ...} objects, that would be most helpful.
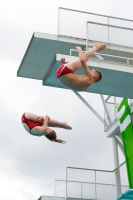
[
  {"x": 31, "y": 124},
  {"x": 63, "y": 70}
]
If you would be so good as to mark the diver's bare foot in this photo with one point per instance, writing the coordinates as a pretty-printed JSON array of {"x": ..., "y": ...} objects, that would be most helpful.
[
  {"x": 63, "y": 61},
  {"x": 78, "y": 48},
  {"x": 66, "y": 126},
  {"x": 100, "y": 46}
]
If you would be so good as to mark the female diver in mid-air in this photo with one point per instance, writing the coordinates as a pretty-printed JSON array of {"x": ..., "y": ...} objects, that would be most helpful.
[
  {"x": 39, "y": 126},
  {"x": 65, "y": 73}
]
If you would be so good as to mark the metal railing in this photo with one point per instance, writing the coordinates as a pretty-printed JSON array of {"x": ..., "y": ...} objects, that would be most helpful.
[
  {"x": 116, "y": 35},
  {"x": 77, "y": 22},
  {"x": 83, "y": 183},
  {"x": 112, "y": 110},
  {"x": 106, "y": 57}
]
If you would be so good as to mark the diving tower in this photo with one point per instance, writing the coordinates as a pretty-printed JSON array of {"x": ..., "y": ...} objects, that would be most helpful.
[
  {"x": 43, "y": 55},
  {"x": 44, "y": 52}
]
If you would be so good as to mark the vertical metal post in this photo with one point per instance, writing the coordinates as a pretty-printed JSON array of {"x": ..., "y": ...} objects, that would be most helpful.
[
  {"x": 54, "y": 188},
  {"x": 115, "y": 114},
  {"x": 70, "y": 52},
  {"x": 116, "y": 164},
  {"x": 81, "y": 190},
  {"x": 86, "y": 36},
  {"x": 58, "y": 19},
  {"x": 108, "y": 30},
  {"x": 105, "y": 108},
  {"x": 66, "y": 183},
  {"x": 95, "y": 187},
  {"x": 116, "y": 158}
]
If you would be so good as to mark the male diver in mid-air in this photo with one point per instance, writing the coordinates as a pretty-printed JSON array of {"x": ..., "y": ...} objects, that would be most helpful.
[{"x": 65, "y": 73}]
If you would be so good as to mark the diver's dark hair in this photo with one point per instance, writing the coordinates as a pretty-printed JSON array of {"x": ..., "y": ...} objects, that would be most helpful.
[{"x": 52, "y": 136}]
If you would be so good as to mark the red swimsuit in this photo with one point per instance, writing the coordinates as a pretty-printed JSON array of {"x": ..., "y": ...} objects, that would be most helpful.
[
  {"x": 31, "y": 124},
  {"x": 63, "y": 70}
]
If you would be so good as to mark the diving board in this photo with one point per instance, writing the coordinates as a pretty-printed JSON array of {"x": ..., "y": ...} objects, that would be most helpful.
[{"x": 43, "y": 55}]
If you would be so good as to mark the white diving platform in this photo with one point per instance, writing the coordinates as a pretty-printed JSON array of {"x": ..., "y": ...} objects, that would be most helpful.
[{"x": 43, "y": 55}]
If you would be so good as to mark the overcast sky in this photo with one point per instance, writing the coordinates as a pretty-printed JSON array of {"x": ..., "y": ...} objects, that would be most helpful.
[{"x": 29, "y": 165}]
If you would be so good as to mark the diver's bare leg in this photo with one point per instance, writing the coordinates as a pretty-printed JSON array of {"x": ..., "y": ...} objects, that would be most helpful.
[
  {"x": 76, "y": 64},
  {"x": 58, "y": 124},
  {"x": 51, "y": 122}
]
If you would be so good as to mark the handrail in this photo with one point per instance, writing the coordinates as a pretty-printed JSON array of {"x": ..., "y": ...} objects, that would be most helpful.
[
  {"x": 109, "y": 25},
  {"x": 101, "y": 54},
  {"x": 96, "y": 14},
  {"x": 86, "y": 182},
  {"x": 98, "y": 169}
]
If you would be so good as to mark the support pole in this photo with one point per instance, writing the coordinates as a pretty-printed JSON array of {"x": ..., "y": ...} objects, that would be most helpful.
[
  {"x": 66, "y": 183},
  {"x": 86, "y": 36},
  {"x": 118, "y": 138},
  {"x": 88, "y": 105},
  {"x": 115, "y": 113},
  {"x": 105, "y": 108},
  {"x": 115, "y": 149},
  {"x": 58, "y": 21},
  {"x": 121, "y": 147},
  {"x": 119, "y": 142},
  {"x": 116, "y": 157},
  {"x": 116, "y": 163}
]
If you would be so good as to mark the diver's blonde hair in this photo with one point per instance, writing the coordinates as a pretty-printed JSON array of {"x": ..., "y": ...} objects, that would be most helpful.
[{"x": 100, "y": 75}]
